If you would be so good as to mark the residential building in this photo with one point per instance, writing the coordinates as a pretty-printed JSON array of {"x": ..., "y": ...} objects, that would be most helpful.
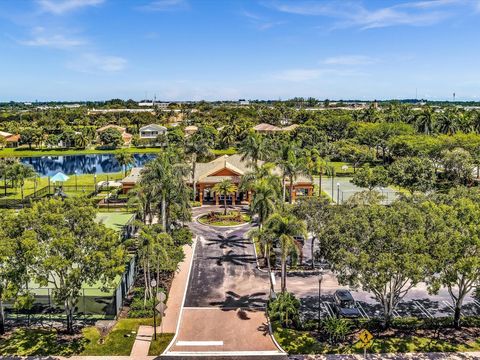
[
  {"x": 151, "y": 132},
  {"x": 11, "y": 140}
]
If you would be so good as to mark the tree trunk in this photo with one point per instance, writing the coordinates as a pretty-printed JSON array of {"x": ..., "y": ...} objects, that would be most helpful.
[
  {"x": 2, "y": 317},
  {"x": 313, "y": 252},
  {"x": 194, "y": 165},
  {"x": 269, "y": 267},
  {"x": 284, "y": 188},
  {"x": 69, "y": 313},
  {"x": 225, "y": 204},
  {"x": 320, "y": 184},
  {"x": 290, "y": 200},
  {"x": 164, "y": 213},
  {"x": 284, "y": 274}
]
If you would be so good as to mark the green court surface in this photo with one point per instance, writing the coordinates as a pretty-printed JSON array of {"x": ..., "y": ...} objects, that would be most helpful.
[{"x": 114, "y": 220}]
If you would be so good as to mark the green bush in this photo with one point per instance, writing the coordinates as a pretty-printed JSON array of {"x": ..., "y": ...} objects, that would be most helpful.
[
  {"x": 195, "y": 204},
  {"x": 285, "y": 309},
  {"x": 182, "y": 236},
  {"x": 336, "y": 329}
]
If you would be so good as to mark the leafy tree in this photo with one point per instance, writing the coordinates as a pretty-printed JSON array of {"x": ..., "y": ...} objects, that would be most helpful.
[
  {"x": 458, "y": 165},
  {"x": 225, "y": 188},
  {"x": 383, "y": 250},
  {"x": 314, "y": 210},
  {"x": 75, "y": 249},
  {"x": 371, "y": 178},
  {"x": 413, "y": 174},
  {"x": 17, "y": 251},
  {"x": 354, "y": 153},
  {"x": 81, "y": 140},
  {"x": 124, "y": 159},
  {"x": 111, "y": 137},
  {"x": 31, "y": 136},
  {"x": 284, "y": 228},
  {"x": 455, "y": 242}
]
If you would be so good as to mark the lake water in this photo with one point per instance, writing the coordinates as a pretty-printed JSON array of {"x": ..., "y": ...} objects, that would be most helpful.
[{"x": 82, "y": 164}]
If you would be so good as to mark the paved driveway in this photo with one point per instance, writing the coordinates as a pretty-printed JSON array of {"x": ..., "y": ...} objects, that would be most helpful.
[{"x": 223, "y": 312}]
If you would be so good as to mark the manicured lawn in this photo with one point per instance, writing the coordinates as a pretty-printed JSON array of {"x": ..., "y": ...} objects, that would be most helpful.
[
  {"x": 229, "y": 151},
  {"x": 302, "y": 342},
  {"x": 223, "y": 220},
  {"x": 26, "y": 152},
  {"x": 157, "y": 347},
  {"x": 117, "y": 343},
  {"x": 25, "y": 342},
  {"x": 84, "y": 180}
]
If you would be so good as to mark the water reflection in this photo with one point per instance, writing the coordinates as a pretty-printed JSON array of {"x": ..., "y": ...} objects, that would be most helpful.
[{"x": 83, "y": 164}]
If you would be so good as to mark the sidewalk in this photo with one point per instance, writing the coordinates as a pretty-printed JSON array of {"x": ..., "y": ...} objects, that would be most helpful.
[
  {"x": 177, "y": 290},
  {"x": 142, "y": 341}
]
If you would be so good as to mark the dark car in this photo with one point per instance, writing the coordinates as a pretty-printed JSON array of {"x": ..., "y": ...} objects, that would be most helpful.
[
  {"x": 344, "y": 304},
  {"x": 299, "y": 239}
]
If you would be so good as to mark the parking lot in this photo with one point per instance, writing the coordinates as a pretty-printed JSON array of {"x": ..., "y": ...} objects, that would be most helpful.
[{"x": 417, "y": 303}]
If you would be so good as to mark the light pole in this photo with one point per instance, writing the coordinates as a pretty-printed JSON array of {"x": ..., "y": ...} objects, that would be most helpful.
[
  {"x": 153, "y": 284},
  {"x": 320, "y": 279},
  {"x": 333, "y": 179},
  {"x": 338, "y": 193},
  {"x": 76, "y": 183}
]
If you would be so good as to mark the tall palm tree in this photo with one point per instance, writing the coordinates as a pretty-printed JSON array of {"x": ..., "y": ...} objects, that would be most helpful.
[
  {"x": 265, "y": 238},
  {"x": 253, "y": 148},
  {"x": 196, "y": 147},
  {"x": 315, "y": 164},
  {"x": 165, "y": 174},
  {"x": 284, "y": 228},
  {"x": 124, "y": 159},
  {"x": 447, "y": 122},
  {"x": 225, "y": 188},
  {"x": 425, "y": 121},
  {"x": 81, "y": 140},
  {"x": 265, "y": 200},
  {"x": 19, "y": 173}
]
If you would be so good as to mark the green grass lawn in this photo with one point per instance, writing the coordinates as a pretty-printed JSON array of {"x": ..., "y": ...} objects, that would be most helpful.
[
  {"x": 117, "y": 343},
  {"x": 26, "y": 152},
  {"x": 229, "y": 151},
  {"x": 157, "y": 347},
  {"x": 27, "y": 342},
  {"x": 87, "y": 180},
  {"x": 302, "y": 342}
]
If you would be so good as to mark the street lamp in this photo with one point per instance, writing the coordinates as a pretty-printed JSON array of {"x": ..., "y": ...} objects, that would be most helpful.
[
  {"x": 153, "y": 284},
  {"x": 76, "y": 184},
  {"x": 320, "y": 279},
  {"x": 338, "y": 193}
]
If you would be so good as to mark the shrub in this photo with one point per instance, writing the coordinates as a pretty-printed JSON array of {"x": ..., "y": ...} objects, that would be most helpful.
[
  {"x": 182, "y": 236},
  {"x": 285, "y": 309},
  {"x": 336, "y": 329}
]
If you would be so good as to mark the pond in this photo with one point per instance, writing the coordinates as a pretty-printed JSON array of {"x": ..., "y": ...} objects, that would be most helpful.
[{"x": 82, "y": 164}]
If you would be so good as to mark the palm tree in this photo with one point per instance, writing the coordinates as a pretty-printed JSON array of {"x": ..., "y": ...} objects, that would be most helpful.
[
  {"x": 81, "y": 140},
  {"x": 165, "y": 175},
  {"x": 253, "y": 148},
  {"x": 424, "y": 121},
  {"x": 293, "y": 167},
  {"x": 142, "y": 199},
  {"x": 124, "y": 159},
  {"x": 265, "y": 238},
  {"x": 315, "y": 164},
  {"x": 19, "y": 173},
  {"x": 196, "y": 147},
  {"x": 265, "y": 200},
  {"x": 225, "y": 188},
  {"x": 447, "y": 122},
  {"x": 284, "y": 228}
]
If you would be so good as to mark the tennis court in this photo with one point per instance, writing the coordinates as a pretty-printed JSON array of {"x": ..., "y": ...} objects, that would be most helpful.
[{"x": 341, "y": 189}]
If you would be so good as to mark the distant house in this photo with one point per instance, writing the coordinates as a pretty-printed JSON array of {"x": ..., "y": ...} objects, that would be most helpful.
[
  {"x": 272, "y": 129},
  {"x": 191, "y": 129},
  {"x": 127, "y": 138},
  {"x": 151, "y": 132},
  {"x": 11, "y": 140}
]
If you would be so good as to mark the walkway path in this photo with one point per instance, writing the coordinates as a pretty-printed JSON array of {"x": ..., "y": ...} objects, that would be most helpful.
[{"x": 142, "y": 341}]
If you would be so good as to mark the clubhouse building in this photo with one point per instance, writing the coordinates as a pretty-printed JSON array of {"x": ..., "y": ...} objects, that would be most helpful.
[{"x": 232, "y": 168}]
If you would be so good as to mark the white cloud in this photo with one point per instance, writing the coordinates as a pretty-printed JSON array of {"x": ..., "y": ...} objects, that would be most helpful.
[
  {"x": 354, "y": 14},
  {"x": 350, "y": 60},
  {"x": 94, "y": 63},
  {"x": 165, "y": 5},
  {"x": 260, "y": 22},
  {"x": 59, "y": 7},
  {"x": 54, "y": 41}
]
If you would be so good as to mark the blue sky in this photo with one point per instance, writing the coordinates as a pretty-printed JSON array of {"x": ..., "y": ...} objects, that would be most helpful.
[{"x": 231, "y": 49}]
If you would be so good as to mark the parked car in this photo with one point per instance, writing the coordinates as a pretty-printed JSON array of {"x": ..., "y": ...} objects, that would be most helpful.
[
  {"x": 344, "y": 304},
  {"x": 300, "y": 239}
]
